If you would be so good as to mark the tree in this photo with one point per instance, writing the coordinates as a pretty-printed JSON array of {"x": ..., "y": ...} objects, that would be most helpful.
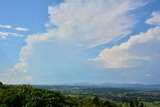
[
  {"x": 107, "y": 104},
  {"x": 141, "y": 105},
  {"x": 96, "y": 101},
  {"x": 132, "y": 104},
  {"x": 14, "y": 100},
  {"x": 1, "y": 83}
]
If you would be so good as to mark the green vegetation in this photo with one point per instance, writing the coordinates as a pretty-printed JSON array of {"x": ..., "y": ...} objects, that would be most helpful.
[
  {"x": 147, "y": 97},
  {"x": 29, "y": 96}
]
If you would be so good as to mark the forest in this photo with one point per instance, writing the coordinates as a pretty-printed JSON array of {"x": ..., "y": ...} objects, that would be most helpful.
[{"x": 31, "y": 96}]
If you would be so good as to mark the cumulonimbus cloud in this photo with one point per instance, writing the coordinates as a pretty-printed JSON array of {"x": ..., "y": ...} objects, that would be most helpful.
[
  {"x": 139, "y": 49},
  {"x": 87, "y": 22},
  {"x": 95, "y": 22}
]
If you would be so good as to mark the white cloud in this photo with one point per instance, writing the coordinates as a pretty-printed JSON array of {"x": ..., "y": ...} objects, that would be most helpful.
[
  {"x": 95, "y": 22},
  {"x": 6, "y": 26},
  {"x": 16, "y": 75},
  {"x": 10, "y": 27},
  {"x": 155, "y": 20},
  {"x": 19, "y": 73},
  {"x": 4, "y": 35},
  {"x": 139, "y": 49},
  {"x": 148, "y": 75},
  {"x": 86, "y": 22},
  {"x": 21, "y": 29}
]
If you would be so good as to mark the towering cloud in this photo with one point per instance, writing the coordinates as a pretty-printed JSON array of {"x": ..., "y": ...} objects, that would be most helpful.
[
  {"x": 87, "y": 22},
  {"x": 95, "y": 22}
]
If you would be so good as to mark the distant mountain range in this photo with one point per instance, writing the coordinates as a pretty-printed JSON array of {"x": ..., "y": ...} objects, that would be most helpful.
[
  {"x": 104, "y": 85},
  {"x": 116, "y": 85}
]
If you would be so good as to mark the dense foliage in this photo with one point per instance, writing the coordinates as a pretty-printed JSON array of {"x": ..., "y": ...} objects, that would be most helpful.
[
  {"x": 28, "y": 96},
  {"x": 18, "y": 96}
]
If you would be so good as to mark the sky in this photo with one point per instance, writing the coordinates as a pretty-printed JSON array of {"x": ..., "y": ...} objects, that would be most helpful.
[{"x": 79, "y": 41}]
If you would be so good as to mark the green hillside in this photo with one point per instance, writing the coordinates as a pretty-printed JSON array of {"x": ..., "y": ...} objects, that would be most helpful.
[{"x": 28, "y": 96}]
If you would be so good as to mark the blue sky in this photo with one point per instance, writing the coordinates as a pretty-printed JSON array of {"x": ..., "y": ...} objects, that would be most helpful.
[{"x": 74, "y": 41}]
